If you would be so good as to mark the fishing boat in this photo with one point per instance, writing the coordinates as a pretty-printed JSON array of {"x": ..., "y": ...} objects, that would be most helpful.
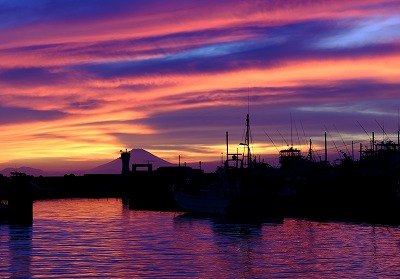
[
  {"x": 209, "y": 201},
  {"x": 363, "y": 190},
  {"x": 244, "y": 187},
  {"x": 215, "y": 197}
]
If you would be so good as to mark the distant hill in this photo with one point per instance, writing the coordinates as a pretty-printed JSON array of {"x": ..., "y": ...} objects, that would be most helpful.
[
  {"x": 27, "y": 170},
  {"x": 138, "y": 156}
]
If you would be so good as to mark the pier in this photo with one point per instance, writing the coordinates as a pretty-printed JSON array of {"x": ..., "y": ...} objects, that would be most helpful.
[{"x": 17, "y": 199}]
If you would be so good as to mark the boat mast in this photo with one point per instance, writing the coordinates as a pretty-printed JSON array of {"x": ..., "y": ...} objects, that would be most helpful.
[
  {"x": 326, "y": 150},
  {"x": 246, "y": 143},
  {"x": 227, "y": 151},
  {"x": 247, "y": 140}
]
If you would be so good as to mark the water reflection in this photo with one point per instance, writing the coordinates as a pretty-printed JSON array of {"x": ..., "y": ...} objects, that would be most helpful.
[
  {"x": 235, "y": 246},
  {"x": 103, "y": 239},
  {"x": 238, "y": 243},
  {"x": 15, "y": 257},
  {"x": 299, "y": 248}
]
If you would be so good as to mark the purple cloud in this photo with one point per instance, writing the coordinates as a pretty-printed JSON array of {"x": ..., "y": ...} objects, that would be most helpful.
[{"x": 12, "y": 115}]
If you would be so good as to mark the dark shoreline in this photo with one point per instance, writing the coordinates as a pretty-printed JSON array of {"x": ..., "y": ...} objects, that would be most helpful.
[{"x": 152, "y": 190}]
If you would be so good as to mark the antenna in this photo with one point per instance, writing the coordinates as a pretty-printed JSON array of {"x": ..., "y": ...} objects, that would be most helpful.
[
  {"x": 304, "y": 133},
  {"x": 297, "y": 132},
  {"x": 248, "y": 100},
  {"x": 398, "y": 127},
  {"x": 291, "y": 132}
]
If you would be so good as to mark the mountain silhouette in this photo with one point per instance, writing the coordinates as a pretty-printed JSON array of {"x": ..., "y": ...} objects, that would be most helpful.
[
  {"x": 138, "y": 156},
  {"x": 27, "y": 170}
]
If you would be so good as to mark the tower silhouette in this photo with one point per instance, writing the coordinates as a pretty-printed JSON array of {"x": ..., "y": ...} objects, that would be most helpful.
[{"x": 125, "y": 156}]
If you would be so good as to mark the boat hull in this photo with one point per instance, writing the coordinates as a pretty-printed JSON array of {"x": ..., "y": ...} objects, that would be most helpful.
[{"x": 209, "y": 205}]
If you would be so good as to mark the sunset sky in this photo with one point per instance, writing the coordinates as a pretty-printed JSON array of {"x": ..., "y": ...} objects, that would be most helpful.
[{"x": 80, "y": 80}]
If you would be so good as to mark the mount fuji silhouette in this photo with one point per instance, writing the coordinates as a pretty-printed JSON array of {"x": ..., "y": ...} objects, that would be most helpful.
[{"x": 138, "y": 156}]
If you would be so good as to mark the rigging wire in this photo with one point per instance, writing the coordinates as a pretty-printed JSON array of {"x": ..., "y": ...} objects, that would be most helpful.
[
  {"x": 298, "y": 138},
  {"x": 306, "y": 140},
  {"x": 282, "y": 138},
  {"x": 364, "y": 131},
  {"x": 272, "y": 141},
  {"x": 383, "y": 130},
  {"x": 337, "y": 150},
  {"x": 348, "y": 152}
]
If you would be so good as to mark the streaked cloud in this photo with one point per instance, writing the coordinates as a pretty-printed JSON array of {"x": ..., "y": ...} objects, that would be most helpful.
[
  {"x": 90, "y": 78},
  {"x": 370, "y": 31}
]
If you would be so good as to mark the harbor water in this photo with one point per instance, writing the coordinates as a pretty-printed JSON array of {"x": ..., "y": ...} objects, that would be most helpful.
[{"x": 101, "y": 238}]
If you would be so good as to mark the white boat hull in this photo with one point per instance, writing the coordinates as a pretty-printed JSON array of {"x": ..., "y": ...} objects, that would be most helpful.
[{"x": 209, "y": 205}]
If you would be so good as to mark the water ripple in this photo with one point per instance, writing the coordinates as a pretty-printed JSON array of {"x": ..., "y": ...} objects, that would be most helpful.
[{"x": 89, "y": 238}]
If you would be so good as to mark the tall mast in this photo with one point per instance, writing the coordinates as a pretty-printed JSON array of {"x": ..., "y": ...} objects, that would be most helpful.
[
  {"x": 373, "y": 142},
  {"x": 246, "y": 143},
  {"x": 326, "y": 151},
  {"x": 247, "y": 139},
  {"x": 227, "y": 151},
  {"x": 291, "y": 130}
]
